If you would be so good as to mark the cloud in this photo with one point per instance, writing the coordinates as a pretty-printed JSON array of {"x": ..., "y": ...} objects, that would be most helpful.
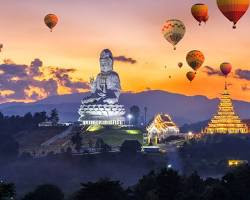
[
  {"x": 34, "y": 69},
  {"x": 125, "y": 59},
  {"x": 8, "y": 61},
  {"x": 242, "y": 74},
  {"x": 63, "y": 78},
  {"x": 210, "y": 71},
  {"x": 29, "y": 83}
]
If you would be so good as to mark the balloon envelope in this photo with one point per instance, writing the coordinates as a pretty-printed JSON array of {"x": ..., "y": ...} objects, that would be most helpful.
[
  {"x": 233, "y": 10},
  {"x": 195, "y": 59},
  {"x": 226, "y": 68},
  {"x": 180, "y": 64},
  {"x": 173, "y": 31},
  {"x": 51, "y": 20},
  {"x": 190, "y": 76},
  {"x": 200, "y": 12}
]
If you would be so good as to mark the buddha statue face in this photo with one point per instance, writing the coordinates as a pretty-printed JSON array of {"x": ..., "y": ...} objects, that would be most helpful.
[{"x": 106, "y": 61}]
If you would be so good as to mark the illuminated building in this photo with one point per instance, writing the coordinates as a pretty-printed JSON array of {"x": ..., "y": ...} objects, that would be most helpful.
[
  {"x": 236, "y": 163},
  {"x": 226, "y": 121},
  {"x": 160, "y": 128}
]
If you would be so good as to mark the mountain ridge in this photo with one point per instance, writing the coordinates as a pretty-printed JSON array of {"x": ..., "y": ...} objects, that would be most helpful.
[{"x": 184, "y": 109}]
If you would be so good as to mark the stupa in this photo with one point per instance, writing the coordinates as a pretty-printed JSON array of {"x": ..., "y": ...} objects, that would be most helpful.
[
  {"x": 102, "y": 106},
  {"x": 226, "y": 121}
]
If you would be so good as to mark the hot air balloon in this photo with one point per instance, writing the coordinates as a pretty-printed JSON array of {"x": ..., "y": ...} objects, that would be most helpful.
[
  {"x": 173, "y": 31},
  {"x": 195, "y": 59},
  {"x": 51, "y": 20},
  {"x": 206, "y": 19},
  {"x": 190, "y": 76},
  {"x": 180, "y": 64},
  {"x": 200, "y": 12},
  {"x": 226, "y": 68},
  {"x": 1, "y": 46},
  {"x": 232, "y": 9}
]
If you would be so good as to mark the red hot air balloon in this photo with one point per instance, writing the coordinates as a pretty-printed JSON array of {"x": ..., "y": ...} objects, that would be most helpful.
[
  {"x": 190, "y": 76},
  {"x": 233, "y": 10},
  {"x": 51, "y": 21},
  {"x": 226, "y": 68},
  {"x": 180, "y": 64}
]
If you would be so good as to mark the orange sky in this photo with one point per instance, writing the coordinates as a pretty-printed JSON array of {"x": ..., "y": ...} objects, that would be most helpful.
[{"x": 131, "y": 28}]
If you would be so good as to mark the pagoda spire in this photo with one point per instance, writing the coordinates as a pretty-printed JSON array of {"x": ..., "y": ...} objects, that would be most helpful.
[
  {"x": 225, "y": 85},
  {"x": 226, "y": 121}
]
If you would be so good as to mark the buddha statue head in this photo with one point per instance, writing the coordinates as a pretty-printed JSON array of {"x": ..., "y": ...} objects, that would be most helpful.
[{"x": 106, "y": 61}]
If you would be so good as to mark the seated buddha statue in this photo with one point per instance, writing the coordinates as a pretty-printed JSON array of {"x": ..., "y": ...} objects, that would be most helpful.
[{"x": 105, "y": 89}]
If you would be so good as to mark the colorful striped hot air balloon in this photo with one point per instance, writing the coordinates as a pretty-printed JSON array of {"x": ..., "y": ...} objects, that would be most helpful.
[
  {"x": 51, "y": 20},
  {"x": 233, "y": 9},
  {"x": 226, "y": 68},
  {"x": 195, "y": 59},
  {"x": 173, "y": 31},
  {"x": 200, "y": 12}
]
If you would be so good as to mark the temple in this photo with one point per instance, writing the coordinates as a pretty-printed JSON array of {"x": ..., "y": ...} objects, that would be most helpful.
[
  {"x": 161, "y": 127},
  {"x": 102, "y": 106},
  {"x": 226, "y": 121}
]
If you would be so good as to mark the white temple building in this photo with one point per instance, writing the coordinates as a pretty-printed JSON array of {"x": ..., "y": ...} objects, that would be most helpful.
[{"x": 161, "y": 127}]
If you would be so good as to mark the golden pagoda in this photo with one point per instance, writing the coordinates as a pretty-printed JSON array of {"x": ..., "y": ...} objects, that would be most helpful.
[{"x": 226, "y": 121}]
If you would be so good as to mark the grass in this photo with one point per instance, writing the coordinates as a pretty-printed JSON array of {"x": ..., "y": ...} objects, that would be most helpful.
[{"x": 115, "y": 136}]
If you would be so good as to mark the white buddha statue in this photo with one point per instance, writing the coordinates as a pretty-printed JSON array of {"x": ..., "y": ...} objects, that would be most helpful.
[
  {"x": 102, "y": 106},
  {"x": 105, "y": 89}
]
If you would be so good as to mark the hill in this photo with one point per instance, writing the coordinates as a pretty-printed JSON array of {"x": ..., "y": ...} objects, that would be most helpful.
[{"x": 183, "y": 109}]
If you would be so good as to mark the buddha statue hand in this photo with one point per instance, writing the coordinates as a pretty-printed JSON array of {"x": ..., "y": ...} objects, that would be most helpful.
[{"x": 92, "y": 84}]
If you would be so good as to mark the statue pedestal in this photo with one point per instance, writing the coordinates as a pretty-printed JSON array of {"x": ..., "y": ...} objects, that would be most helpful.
[{"x": 102, "y": 114}]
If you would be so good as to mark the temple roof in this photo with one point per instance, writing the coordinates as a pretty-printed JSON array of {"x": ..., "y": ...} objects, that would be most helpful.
[{"x": 161, "y": 122}]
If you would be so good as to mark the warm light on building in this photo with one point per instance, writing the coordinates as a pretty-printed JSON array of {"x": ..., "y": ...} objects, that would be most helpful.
[
  {"x": 160, "y": 128},
  {"x": 236, "y": 163},
  {"x": 226, "y": 121}
]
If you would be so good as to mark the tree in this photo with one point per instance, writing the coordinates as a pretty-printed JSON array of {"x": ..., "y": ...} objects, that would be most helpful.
[
  {"x": 100, "y": 144},
  {"x": 130, "y": 146},
  {"x": 104, "y": 189},
  {"x": 217, "y": 192},
  {"x": 77, "y": 141},
  {"x": 238, "y": 182},
  {"x": 145, "y": 188},
  {"x": 168, "y": 184},
  {"x": 45, "y": 192},
  {"x": 9, "y": 148},
  {"x": 135, "y": 112},
  {"x": 54, "y": 116},
  {"x": 7, "y": 191},
  {"x": 40, "y": 117}
]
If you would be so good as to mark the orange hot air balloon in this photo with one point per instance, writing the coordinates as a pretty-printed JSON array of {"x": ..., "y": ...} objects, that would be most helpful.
[
  {"x": 226, "y": 68},
  {"x": 51, "y": 21},
  {"x": 233, "y": 9},
  {"x": 206, "y": 19},
  {"x": 200, "y": 12},
  {"x": 195, "y": 59},
  {"x": 190, "y": 76},
  {"x": 180, "y": 64}
]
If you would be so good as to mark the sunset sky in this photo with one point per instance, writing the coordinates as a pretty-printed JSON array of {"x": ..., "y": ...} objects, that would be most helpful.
[{"x": 66, "y": 58}]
